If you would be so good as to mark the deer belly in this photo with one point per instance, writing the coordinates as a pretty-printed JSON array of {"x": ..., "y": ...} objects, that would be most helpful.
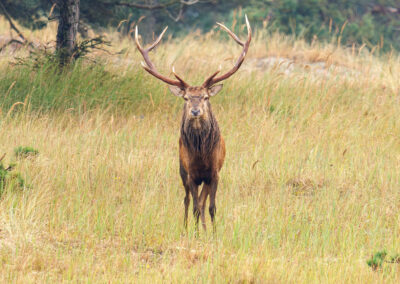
[{"x": 200, "y": 174}]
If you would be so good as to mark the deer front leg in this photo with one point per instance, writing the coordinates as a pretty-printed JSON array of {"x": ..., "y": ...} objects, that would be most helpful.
[
  {"x": 186, "y": 201},
  {"x": 212, "y": 208},
  {"x": 202, "y": 205},
  {"x": 196, "y": 209}
]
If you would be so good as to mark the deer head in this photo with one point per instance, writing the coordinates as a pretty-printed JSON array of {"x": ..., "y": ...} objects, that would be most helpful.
[{"x": 196, "y": 97}]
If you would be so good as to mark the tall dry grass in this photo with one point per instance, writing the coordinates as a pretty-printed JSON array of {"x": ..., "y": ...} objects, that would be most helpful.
[{"x": 308, "y": 192}]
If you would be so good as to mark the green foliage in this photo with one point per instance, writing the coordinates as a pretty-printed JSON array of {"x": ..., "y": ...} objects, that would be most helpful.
[
  {"x": 24, "y": 152},
  {"x": 376, "y": 261},
  {"x": 9, "y": 179}
]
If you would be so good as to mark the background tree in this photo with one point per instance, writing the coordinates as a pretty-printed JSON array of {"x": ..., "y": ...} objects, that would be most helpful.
[{"x": 68, "y": 21}]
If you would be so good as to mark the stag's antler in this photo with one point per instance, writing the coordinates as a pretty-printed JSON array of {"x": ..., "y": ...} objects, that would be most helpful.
[
  {"x": 150, "y": 66},
  {"x": 212, "y": 79}
]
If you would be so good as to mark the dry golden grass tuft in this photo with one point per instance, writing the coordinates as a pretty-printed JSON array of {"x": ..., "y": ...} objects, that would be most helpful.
[{"x": 308, "y": 192}]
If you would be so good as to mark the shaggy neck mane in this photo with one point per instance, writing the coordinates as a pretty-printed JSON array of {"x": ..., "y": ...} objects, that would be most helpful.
[{"x": 200, "y": 140}]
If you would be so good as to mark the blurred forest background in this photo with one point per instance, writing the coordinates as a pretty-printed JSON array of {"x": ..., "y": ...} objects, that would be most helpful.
[{"x": 375, "y": 23}]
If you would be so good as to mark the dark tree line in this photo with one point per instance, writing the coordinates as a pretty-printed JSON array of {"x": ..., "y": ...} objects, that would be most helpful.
[{"x": 373, "y": 22}]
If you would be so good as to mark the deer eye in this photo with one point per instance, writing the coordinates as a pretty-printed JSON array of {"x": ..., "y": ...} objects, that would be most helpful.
[{"x": 185, "y": 98}]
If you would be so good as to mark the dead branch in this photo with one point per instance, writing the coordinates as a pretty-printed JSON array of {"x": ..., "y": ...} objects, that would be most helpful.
[
  {"x": 188, "y": 3},
  {"x": 8, "y": 17},
  {"x": 11, "y": 42},
  {"x": 141, "y": 6},
  {"x": 179, "y": 16},
  {"x": 154, "y": 6}
]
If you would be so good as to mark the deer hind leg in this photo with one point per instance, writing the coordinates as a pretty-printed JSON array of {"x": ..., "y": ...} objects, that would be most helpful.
[
  {"x": 202, "y": 204},
  {"x": 212, "y": 208}
]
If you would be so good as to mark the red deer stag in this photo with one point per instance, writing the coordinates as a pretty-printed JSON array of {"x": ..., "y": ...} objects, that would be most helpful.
[{"x": 201, "y": 146}]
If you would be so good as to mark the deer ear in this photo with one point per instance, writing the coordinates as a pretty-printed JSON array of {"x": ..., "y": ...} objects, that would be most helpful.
[
  {"x": 214, "y": 90},
  {"x": 177, "y": 91}
]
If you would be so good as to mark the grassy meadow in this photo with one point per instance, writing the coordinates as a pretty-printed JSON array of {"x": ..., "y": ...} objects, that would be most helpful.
[{"x": 308, "y": 192}]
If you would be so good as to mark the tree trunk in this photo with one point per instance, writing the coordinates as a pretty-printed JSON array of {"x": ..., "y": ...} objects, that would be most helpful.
[{"x": 67, "y": 29}]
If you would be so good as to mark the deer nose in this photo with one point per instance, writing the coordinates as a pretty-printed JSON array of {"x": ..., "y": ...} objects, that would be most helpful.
[{"x": 195, "y": 112}]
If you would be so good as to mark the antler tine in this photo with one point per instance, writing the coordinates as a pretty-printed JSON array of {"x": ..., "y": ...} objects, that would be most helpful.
[
  {"x": 150, "y": 48},
  {"x": 213, "y": 79},
  {"x": 209, "y": 79},
  {"x": 179, "y": 78},
  {"x": 235, "y": 37},
  {"x": 150, "y": 66}
]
